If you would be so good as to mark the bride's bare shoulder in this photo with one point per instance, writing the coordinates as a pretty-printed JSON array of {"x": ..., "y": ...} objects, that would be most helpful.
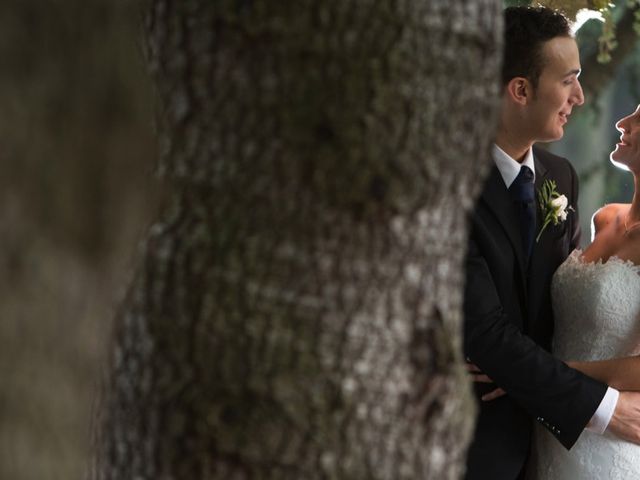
[
  {"x": 610, "y": 213},
  {"x": 607, "y": 214}
]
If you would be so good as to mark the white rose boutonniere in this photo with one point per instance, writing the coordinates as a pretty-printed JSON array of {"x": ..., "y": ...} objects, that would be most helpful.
[{"x": 554, "y": 207}]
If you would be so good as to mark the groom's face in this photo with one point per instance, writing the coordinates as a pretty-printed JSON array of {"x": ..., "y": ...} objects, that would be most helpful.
[{"x": 558, "y": 89}]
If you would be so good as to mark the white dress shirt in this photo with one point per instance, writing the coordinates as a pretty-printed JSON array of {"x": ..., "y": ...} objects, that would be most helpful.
[{"x": 509, "y": 170}]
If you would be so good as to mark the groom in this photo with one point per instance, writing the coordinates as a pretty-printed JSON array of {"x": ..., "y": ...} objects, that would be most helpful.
[{"x": 508, "y": 317}]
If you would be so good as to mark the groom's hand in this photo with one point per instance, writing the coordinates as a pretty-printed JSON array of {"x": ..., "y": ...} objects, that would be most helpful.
[
  {"x": 478, "y": 376},
  {"x": 625, "y": 422}
]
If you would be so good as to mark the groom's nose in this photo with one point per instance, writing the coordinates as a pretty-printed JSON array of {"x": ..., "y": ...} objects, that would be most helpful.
[{"x": 578, "y": 94}]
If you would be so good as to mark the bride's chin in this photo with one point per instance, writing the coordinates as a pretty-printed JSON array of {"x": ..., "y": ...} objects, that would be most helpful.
[{"x": 618, "y": 162}]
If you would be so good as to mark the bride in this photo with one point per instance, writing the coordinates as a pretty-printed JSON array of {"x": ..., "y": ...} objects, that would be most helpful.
[{"x": 596, "y": 302}]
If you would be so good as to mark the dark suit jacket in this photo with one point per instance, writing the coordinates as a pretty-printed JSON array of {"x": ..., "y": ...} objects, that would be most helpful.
[{"x": 509, "y": 324}]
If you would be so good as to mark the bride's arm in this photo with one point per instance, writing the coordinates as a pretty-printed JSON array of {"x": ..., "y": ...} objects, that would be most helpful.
[{"x": 619, "y": 373}]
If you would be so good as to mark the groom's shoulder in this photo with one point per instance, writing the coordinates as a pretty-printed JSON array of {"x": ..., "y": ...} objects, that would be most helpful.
[
  {"x": 545, "y": 156},
  {"x": 553, "y": 162}
]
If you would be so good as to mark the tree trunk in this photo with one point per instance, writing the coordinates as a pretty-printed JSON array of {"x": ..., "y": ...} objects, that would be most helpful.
[{"x": 297, "y": 311}]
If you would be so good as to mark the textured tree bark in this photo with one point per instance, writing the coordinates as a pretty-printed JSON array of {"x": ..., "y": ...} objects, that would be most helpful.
[{"x": 297, "y": 311}]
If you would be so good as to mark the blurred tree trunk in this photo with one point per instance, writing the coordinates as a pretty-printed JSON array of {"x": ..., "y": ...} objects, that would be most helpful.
[{"x": 297, "y": 311}]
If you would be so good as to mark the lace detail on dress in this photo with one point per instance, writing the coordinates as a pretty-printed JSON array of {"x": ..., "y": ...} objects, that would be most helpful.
[
  {"x": 597, "y": 315},
  {"x": 596, "y": 308}
]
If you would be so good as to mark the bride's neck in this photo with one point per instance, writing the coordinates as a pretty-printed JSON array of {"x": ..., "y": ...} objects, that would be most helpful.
[{"x": 634, "y": 211}]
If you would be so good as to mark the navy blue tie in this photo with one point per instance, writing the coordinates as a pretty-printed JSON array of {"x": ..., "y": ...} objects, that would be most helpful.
[{"x": 523, "y": 194}]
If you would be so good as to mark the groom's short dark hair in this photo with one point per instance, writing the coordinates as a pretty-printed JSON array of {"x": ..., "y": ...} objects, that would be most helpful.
[{"x": 526, "y": 30}]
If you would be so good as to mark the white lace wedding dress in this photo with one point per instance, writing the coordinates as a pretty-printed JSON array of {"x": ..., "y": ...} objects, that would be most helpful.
[{"x": 597, "y": 314}]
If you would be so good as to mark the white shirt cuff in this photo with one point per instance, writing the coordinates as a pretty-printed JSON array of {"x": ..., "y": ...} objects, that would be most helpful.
[{"x": 601, "y": 418}]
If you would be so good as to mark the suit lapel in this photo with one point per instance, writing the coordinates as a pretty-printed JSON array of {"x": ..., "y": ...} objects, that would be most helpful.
[
  {"x": 537, "y": 255},
  {"x": 497, "y": 198},
  {"x": 541, "y": 174}
]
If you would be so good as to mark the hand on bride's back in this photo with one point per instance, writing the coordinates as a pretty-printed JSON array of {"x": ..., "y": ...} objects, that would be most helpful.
[
  {"x": 478, "y": 376},
  {"x": 625, "y": 422}
]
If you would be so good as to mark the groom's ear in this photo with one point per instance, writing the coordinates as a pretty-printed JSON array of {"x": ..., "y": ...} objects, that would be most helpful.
[{"x": 519, "y": 90}]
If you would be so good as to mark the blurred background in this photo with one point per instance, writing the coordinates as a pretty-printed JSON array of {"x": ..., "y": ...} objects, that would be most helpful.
[{"x": 77, "y": 192}]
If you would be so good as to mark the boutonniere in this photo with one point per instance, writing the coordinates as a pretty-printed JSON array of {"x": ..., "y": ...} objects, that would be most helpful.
[{"x": 554, "y": 207}]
